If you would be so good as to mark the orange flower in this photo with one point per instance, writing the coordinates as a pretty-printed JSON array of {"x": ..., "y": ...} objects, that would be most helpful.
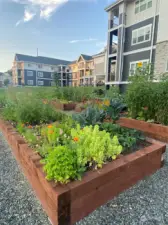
[
  {"x": 50, "y": 126},
  {"x": 22, "y": 125},
  {"x": 76, "y": 139},
  {"x": 30, "y": 127},
  {"x": 45, "y": 102}
]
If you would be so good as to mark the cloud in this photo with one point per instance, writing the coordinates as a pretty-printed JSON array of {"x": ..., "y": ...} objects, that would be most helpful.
[
  {"x": 101, "y": 45},
  {"x": 28, "y": 15},
  {"x": 83, "y": 40},
  {"x": 43, "y": 8}
]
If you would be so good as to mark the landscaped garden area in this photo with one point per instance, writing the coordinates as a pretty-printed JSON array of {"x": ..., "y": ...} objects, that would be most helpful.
[{"x": 73, "y": 159}]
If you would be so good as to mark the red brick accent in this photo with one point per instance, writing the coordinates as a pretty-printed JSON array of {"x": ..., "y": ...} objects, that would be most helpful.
[
  {"x": 67, "y": 204},
  {"x": 156, "y": 131}
]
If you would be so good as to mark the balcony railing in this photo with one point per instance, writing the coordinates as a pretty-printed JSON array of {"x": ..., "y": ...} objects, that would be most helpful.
[
  {"x": 113, "y": 24},
  {"x": 111, "y": 76},
  {"x": 113, "y": 50}
]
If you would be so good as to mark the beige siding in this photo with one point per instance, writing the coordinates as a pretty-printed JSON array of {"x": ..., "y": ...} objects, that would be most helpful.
[
  {"x": 163, "y": 18},
  {"x": 132, "y": 18},
  {"x": 99, "y": 65}
]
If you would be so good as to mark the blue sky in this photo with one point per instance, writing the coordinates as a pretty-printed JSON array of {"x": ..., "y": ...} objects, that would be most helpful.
[{"x": 59, "y": 28}]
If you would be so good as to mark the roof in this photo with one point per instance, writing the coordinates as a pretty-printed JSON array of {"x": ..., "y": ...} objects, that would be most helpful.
[
  {"x": 86, "y": 57},
  {"x": 113, "y": 4},
  {"x": 73, "y": 62},
  {"x": 100, "y": 53},
  {"x": 41, "y": 60}
]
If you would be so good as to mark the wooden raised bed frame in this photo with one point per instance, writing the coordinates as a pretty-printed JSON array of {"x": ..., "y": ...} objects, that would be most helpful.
[
  {"x": 67, "y": 204},
  {"x": 156, "y": 131},
  {"x": 64, "y": 106}
]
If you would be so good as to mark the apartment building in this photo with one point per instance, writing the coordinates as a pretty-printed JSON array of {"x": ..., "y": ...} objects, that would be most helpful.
[
  {"x": 39, "y": 71},
  {"x": 89, "y": 70},
  {"x": 139, "y": 29}
]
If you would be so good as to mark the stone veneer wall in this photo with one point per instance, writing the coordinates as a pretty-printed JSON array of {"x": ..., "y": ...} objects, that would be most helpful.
[{"x": 161, "y": 59}]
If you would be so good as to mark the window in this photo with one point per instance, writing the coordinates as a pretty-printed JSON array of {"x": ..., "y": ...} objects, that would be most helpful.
[
  {"x": 40, "y": 74},
  {"x": 40, "y": 82},
  {"x": 30, "y": 82},
  {"x": 141, "y": 35},
  {"x": 29, "y": 65},
  {"x": 134, "y": 66},
  {"x": 40, "y": 66},
  {"x": 141, "y": 5},
  {"x": 29, "y": 73},
  {"x": 52, "y": 68}
]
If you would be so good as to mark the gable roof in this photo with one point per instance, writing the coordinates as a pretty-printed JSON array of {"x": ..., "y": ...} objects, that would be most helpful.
[
  {"x": 86, "y": 57},
  {"x": 41, "y": 60}
]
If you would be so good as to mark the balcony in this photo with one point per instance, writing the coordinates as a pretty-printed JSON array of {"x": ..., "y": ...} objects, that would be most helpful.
[
  {"x": 114, "y": 18},
  {"x": 113, "y": 24},
  {"x": 89, "y": 73},
  {"x": 82, "y": 73},
  {"x": 113, "y": 49},
  {"x": 111, "y": 76}
]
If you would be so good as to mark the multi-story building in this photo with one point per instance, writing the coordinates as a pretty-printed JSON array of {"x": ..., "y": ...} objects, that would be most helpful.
[
  {"x": 89, "y": 70},
  {"x": 39, "y": 71},
  {"x": 138, "y": 27},
  {"x": 85, "y": 69}
]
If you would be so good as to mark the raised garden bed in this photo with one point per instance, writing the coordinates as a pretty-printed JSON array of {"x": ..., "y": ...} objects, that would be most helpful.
[
  {"x": 156, "y": 131},
  {"x": 64, "y": 106},
  {"x": 67, "y": 204}
]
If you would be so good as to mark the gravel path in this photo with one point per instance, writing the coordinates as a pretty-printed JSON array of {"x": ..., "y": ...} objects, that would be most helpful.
[{"x": 144, "y": 204}]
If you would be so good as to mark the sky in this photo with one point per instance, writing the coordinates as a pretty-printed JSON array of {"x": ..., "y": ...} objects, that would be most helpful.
[{"x": 61, "y": 29}]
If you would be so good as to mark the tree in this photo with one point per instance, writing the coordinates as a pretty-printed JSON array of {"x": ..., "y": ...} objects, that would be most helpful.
[
  {"x": 57, "y": 79},
  {"x": 6, "y": 82}
]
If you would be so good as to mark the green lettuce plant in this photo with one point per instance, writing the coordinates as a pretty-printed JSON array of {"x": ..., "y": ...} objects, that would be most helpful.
[
  {"x": 94, "y": 146},
  {"x": 61, "y": 165}
]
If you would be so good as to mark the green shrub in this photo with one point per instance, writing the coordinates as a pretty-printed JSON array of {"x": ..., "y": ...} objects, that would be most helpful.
[
  {"x": 9, "y": 111},
  {"x": 147, "y": 100},
  {"x": 75, "y": 94},
  {"x": 114, "y": 93},
  {"x": 28, "y": 109},
  {"x": 61, "y": 165}
]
